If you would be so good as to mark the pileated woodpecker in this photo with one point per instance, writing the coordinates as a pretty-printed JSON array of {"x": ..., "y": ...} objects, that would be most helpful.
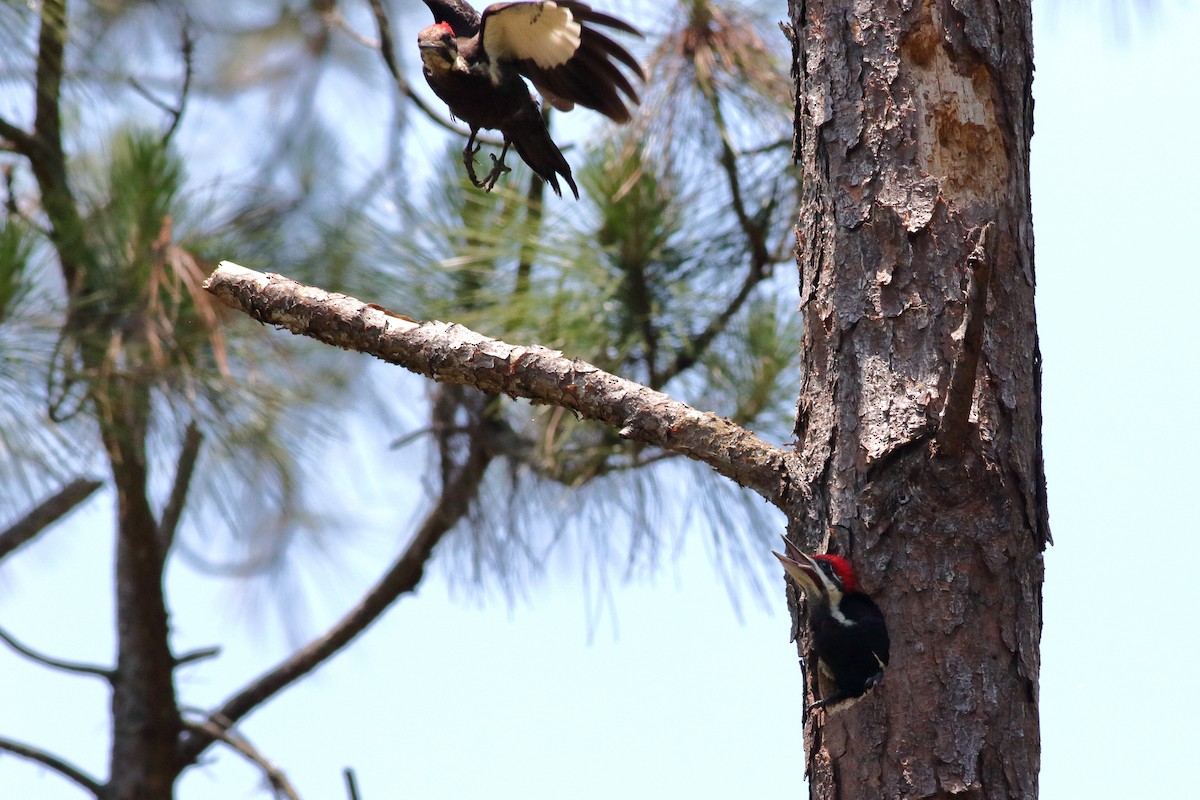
[
  {"x": 474, "y": 64},
  {"x": 849, "y": 634}
]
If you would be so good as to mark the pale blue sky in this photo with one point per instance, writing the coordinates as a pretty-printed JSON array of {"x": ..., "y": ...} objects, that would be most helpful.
[{"x": 452, "y": 696}]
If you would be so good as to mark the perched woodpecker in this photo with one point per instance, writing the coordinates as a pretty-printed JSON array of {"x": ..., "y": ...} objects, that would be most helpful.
[
  {"x": 849, "y": 634},
  {"x": 475, "y": 64}
]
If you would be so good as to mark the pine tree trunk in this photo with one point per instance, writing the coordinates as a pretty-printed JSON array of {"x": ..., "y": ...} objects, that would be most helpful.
[{"x": 913, "y": 131}]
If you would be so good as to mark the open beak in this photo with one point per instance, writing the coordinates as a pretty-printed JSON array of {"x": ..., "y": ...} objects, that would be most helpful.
[{"x": 801, "y": 569}]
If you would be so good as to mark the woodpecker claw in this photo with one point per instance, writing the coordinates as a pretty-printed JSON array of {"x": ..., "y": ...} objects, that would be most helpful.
[{"x": 498, "y": 166}]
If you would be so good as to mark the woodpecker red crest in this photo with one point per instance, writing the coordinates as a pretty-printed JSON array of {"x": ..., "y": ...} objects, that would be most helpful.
[
  {"x": 477, "y": 64},
  {"x": 842, "y": 567},
  {"x": 849, "y": 634}
]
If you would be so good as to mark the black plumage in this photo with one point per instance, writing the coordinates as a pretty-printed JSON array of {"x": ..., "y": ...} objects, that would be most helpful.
[
  {"x": 849, "y": 633},
  {"x": 477, "y": 64}
]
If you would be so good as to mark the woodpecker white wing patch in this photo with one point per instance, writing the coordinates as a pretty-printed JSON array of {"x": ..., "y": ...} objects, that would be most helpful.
[{"x": 544, "y": 33}]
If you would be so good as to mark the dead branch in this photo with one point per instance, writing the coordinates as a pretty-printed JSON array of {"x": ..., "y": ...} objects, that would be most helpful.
[{"x": 454, "y": 354}]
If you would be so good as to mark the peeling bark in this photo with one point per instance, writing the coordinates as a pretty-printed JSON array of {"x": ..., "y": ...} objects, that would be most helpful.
[{"x": 913, "y": 124}]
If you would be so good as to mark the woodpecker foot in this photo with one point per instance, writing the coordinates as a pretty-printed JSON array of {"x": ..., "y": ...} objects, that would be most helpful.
[
  {"x": 498, "y": 166},
  {"x": 811, "y": 707}
]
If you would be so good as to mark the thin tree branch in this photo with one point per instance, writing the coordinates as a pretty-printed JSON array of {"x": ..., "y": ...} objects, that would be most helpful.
[
  {"x": 203, "y": 654},
  {"x": 46, "y": 513},
  {"x": 55, "y": 663},
  {"x": 21, "y": 140},
  {"x": 753, "y": 229},
  {"x": 279, "y": 782},
  {"x": 698, "y": 344},
  {"x": 403, "y": 577},
  {"x": 351, "y": 784},
  {"x": 59, "y": 765},
  {"x": 954, "y": 430},
  {"x": 452, "y": 353},
  {"x": 185, "y": 466},
  {"x": 756, "y": 241},
  {"x": 187, "y": 47}
]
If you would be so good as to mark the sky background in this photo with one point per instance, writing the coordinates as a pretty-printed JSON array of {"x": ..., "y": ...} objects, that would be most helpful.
[{"x": 669, "y": 689}]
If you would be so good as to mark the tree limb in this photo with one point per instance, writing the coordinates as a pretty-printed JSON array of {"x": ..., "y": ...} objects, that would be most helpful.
[
  {"x": 55, "y": 663},
  {"x": 452, "y": 353},
  {"x": 46, "y": 513},
  {"x": 279, "y": 782},
  {"x": 61, "y": 766},
  {"x": 185, "y": 465},
  {"x": 203, "y": 654},
  {"x": 403, "y": 577},
  {"x": 21, "y": 140}
]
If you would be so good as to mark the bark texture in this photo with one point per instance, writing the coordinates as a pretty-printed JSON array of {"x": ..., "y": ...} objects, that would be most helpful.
[
  {"x": 453, "y": 354},
  {"x": 913, "y": 123}
]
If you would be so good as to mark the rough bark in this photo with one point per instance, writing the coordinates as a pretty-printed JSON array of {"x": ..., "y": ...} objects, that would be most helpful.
[
  {"x": 913, "y": 124},
  {"x": 454, "y": 354}
]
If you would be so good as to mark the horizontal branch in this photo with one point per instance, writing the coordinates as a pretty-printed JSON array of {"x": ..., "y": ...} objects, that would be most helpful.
[
  {"x": 59, "y": 765},
  {"x": 454, "y": 354}
]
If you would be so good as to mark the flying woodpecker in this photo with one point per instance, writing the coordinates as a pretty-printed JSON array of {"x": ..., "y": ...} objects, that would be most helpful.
[
  {"x": 475, "y": 64},
  {"x": 849, "y": 634}
]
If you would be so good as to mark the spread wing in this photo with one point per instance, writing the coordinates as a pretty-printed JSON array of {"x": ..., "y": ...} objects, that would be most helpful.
[
  {"x": 558, "y": 47},
  {"x": 459, "y": 15}
]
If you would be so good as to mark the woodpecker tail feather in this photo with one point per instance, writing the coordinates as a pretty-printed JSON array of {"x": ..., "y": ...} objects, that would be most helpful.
[{"x": 528, "y": 134}]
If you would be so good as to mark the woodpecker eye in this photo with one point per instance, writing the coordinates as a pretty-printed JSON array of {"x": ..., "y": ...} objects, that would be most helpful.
[{"x": 829, "y": 570}]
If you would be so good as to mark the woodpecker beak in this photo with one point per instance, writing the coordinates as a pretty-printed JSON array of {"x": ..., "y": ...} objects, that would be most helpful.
[{"x": 803, "y": 570}]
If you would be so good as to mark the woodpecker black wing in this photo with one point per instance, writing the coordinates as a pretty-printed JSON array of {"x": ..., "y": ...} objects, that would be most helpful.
[
  {"x": 462, "y": 18},
  {"x": 855, "y": 651},
  {"x": 557, "y": 46}
]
